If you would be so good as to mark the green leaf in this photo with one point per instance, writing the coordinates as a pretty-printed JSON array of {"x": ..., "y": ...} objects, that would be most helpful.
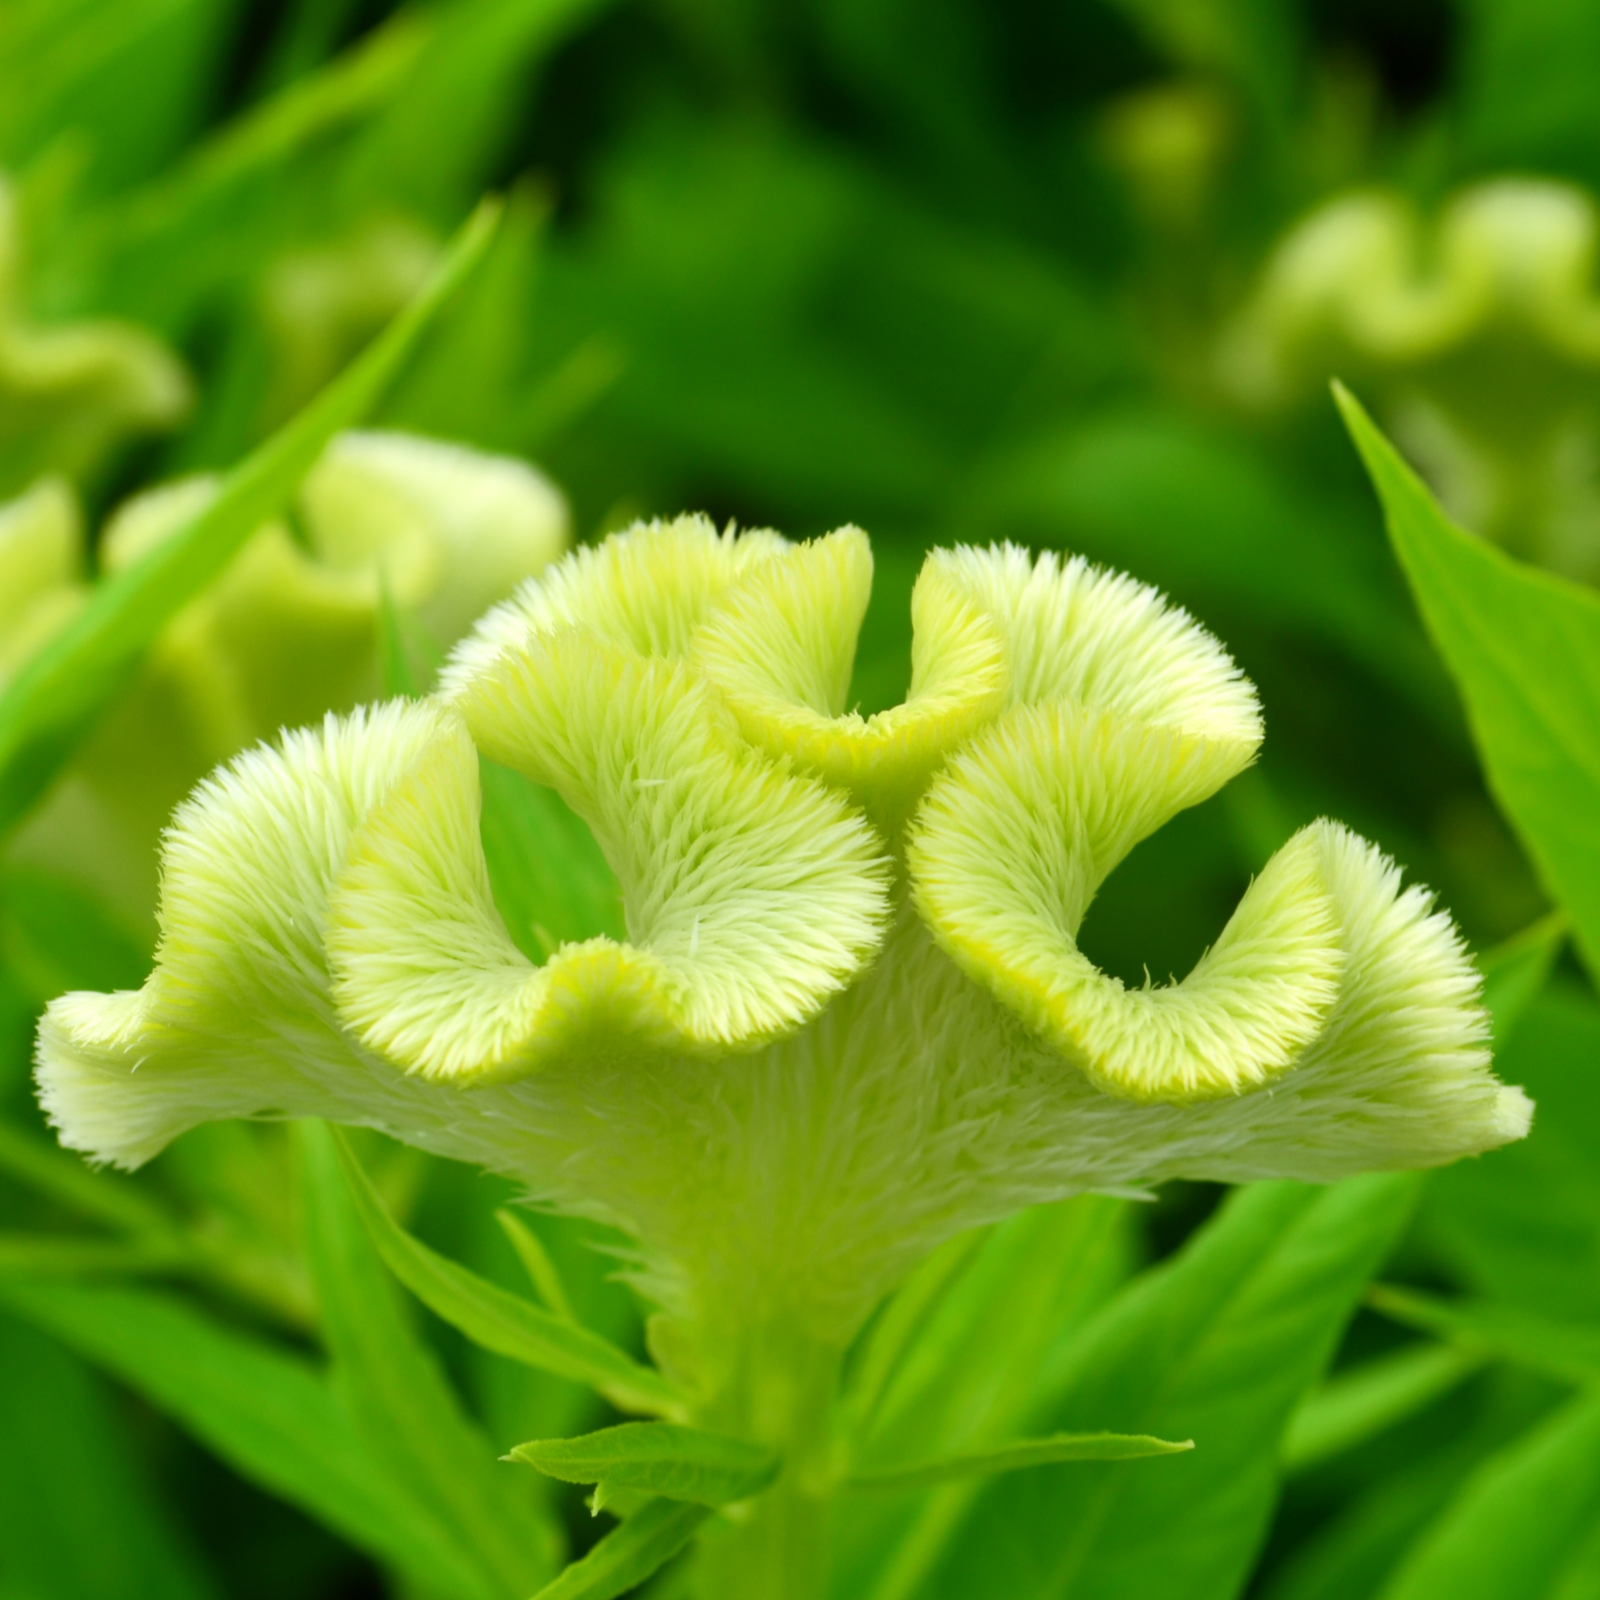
[
  {"x": 659, "y": 1458},
  {"x": 433, "y": 147},
  {"x": 1219, "y": 1345},
  {"x": 972, "y": 1343},
  {"x": 1516, "y": 971},
  {"x": 54, "y": 937},
  {"x": 549, "y": 879},
  {"x": 100, "y": 1196},
  {"x": 1024, "y": 1453},
  {"x": 1522, "y": 1224},
  {"x": 153, "y": 253},
  {"x": 1524, "y": 648},
  {"x": 1523, "y": 1525},
  {"x": 536, "y": 1262},
  {"x": 1358, "y": 1404},
  {"x": 1567, "y": 1351},
  {"x": 642, "y": 1545},
  {"x": 47, "y": 705},
  {"x": 266, "y": 1413},
  {"x": 497, "y": 1319},
  {"x": 401, "y": 1403},
  {"x": 80, "y": 1517},
  {"x": 52, "y": 1254}
]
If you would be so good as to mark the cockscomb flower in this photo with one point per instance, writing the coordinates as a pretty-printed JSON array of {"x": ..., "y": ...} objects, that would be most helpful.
[
  {"x": 1479, "y": 333},
  {"x": 290, "y": 630},
  {"x": 850, "y": 1016}
]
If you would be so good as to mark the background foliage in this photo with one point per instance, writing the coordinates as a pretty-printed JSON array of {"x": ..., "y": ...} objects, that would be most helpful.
[{"x": 943, "y": 270}]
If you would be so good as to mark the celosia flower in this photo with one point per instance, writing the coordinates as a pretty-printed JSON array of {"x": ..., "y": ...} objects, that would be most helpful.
[
  {"x": 289, "y": 631},
  {"x": 69, "y": 394},
  {"x": 850, "y": 1016},
  {"x": 1480, "y": 334}
]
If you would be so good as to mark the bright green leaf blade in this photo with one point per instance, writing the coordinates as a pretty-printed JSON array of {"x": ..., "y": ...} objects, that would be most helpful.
[
  {"x": 550, "y": 881},
  {"x": 99, "y": 1196},
  {"x": 155, "y": 253},
  {"x": 1024, "y": 1453},
  {"x": 1524, "y": 648},
  {"x": 435, "y": 144},
  {"x": 1521, "y": 1524},
  {"x": 1568, "y": 1351},
  {"x": 501, "y": 1321},
  {"x": 54, "y": 937},
  {"x": 972, "y": 1360},
  {"x": 80, "y": 1517},
  {"x": 46, "y": 706},
  {"x": 1219, "y": 1345},
  {"x": 398, "y": 1396},
  {"x": 642, "y": 1545},
  {"x": 266, "y": 1413},
  {"x": 660, "y": 1458},
  {"x": 1516, "y": 971},
  {"x": 57, "y": 1254},
  {"x": 1357, "y": 1405},
  {"x": 1522, "y": 1224},
  {"x": 536, "y": 1262}
]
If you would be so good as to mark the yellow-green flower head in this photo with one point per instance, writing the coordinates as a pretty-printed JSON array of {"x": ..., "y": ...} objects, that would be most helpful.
[
  {"x": 850, "y": 1015},
  {"x": 289, "y": 631},
  {"x": 70, "y": 394},
  {"x": 1479, "y": 331}
]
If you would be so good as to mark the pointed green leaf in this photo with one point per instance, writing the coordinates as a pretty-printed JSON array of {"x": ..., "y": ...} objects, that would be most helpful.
[
  {"x": 642, "y": 1545},
  {"x": 80, "y": 1515},
  {"x": 1358, "y": 1404},
  {"x": 402, "y": 1404},
  {"x": 660, "y": 1458},
  {"x": 1522, "y": 1225},
  {"x": 1568, "y": 1351},
  {"x": 1024, "y": 1453},
  {"x": 973, "y": 1358},
  {"x": 1218, "y": 1344},
  {"x": 536, "y": 1262},
  {"x": 499, "y": 1320},
  {"x": 49, "y": 702},
  {"x": 265, "y": 1412},
  {"x": 1516, "y": 971},
  {"x": 1523, "y": 1525},
  {"x": 1524, "y": 648}
]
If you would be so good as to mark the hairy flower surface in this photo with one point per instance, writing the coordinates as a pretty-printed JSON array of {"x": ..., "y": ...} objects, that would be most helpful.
[
  {"x": 1478, "y": 330},
  {"x": 850, "y": 1015}
]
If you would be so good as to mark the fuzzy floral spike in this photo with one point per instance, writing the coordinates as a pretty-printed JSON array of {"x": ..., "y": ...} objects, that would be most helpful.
[
  {"x": 751, "y": 896},
  {"x": 781, "y": 646},
  {"x": 817, "y": 1056},
  {"x": 645, "y": 589}
]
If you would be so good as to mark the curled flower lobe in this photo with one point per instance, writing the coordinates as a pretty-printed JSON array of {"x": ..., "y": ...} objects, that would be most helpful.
[
  {"x": 781, "y": 646},
  {"x": 751, "y": 895}
]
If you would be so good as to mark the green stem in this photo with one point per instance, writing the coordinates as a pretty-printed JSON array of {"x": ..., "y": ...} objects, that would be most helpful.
[{"x": 782, "y": 1391}]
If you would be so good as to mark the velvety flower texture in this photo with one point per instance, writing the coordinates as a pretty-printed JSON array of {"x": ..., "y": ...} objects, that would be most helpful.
[{"x": 850, "y": 1016}]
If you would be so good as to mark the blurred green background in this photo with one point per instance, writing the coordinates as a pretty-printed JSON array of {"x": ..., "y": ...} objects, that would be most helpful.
[{"x": 952, "y": 271}]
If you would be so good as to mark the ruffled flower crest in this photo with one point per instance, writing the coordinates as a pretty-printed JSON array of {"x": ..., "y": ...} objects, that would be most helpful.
[{"x": 850, "y": 1016}]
